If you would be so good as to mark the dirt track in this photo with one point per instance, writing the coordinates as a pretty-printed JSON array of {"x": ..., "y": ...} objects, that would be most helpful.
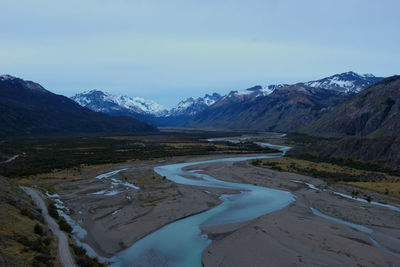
[{"x": 64, "y": 253}]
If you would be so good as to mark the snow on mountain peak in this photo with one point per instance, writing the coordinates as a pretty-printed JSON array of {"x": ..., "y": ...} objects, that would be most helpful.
[
  {"x": 5, "y": 77},
  {"x": 191, "y": 106},
  {"x": 255, "y": 91},
  {"x": 347, "y": 82},
  {"x": 102, "y": 101},
  {"x": 27, "y": 84}
]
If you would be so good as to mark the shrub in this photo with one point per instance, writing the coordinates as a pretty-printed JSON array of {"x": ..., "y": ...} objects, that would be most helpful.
[
  {"x": 64, "y": 226},
  {"x": 53, "y": 211},
  {"x": 24, "y": 211},
  {"x": 38, "y": 229},
  {"x": 47, "y": 241}
]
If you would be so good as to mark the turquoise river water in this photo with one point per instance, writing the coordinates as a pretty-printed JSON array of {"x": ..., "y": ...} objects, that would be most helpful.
[{"x": 181, "y": 243}]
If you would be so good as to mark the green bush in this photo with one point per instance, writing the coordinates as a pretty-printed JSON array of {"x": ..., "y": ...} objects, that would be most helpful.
[
  {"x": 38, "y": 229},
  {"x": 64, "y": 226},
  {"x": 53, "y": 211},
  {"x": 47, "y": 241},
  {"x": 24, "y": 211},
  {"x": 84, "y": 260}
]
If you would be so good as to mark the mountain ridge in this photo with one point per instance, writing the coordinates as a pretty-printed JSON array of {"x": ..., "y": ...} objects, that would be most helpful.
[
  {"x": 287, "y": 108},
  {"x": 367, "y": 126},
  {"x": 28, "y": 108},
  {"x": 192, "y": 112}
]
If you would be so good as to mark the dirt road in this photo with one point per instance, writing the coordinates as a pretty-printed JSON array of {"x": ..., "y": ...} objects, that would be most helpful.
[{"x": 64, "y": 253}]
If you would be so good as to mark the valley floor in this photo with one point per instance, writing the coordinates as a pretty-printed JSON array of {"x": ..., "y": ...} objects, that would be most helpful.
[
  {"x": 294, "y": 236},
  {"x": 116, "y": 216}
]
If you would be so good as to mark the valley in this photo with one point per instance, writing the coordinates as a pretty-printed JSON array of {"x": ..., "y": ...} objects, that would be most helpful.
[
  {"x": 199, "y": 133},
  {"x": 112, "y": 206},
  {"x": 131, "y": 194}
]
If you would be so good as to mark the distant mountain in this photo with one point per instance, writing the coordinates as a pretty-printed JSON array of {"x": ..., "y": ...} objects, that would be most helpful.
[
  {"x": 374, "y": 111},
  {"x": 27, "y": 108},
  {"x": 281, "y": 107},
  {"x": 144, "y": 110},
  {"x": 104, "y": 102},
  {"x": 191, "y": 106},
  {"x": 345, "y": 83},
  {"x": 368, "y": 124}
]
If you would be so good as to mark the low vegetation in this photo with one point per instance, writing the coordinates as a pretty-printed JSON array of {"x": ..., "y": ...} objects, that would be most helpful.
[
  {"x": 82, "y": 259},
  {"x": 25, "y": 239},
  {"x": 348, "y": 162},
  {"x": 42, "y": 155},
  {"x": 381, "y": 182},
  {"x": 391, "y": 188}
]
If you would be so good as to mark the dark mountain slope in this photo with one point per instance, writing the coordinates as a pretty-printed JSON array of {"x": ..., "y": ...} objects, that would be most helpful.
[
  {"x": 373, "y": 112},
  {"x": 369, "y": 126},
  {"x": 286, "y": 109},
  {"x": 28, "y": 108}
]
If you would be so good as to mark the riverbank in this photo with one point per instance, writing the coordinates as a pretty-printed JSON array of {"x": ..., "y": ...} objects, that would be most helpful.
[
  {"x": 115, "y": 216},
  {"x": 294, "y": 235}
]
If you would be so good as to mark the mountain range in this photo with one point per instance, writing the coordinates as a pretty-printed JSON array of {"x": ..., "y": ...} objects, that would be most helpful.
[
  {"x": 144, "y": 110},
  {"x": 285, "y": 108},
  {"x": 360, "y": 111},
  {"x": 272, "y": 107},
  {"x": 28, "y": 108}
]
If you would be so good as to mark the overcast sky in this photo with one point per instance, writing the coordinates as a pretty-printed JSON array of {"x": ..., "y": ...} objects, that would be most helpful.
[{"x": 167, "y": 50}]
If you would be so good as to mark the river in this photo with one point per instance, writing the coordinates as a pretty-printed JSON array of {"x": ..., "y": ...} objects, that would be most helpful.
[{"x": 181, "y": 243}]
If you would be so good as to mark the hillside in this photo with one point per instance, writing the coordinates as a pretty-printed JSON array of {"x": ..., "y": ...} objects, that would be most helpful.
[
  {"x": 285, "y": 109},
  {"x": 374, "y": 112},
  {"x": 27, "y": 108},
  {"x": 22, "y": 242},
  {"x": 369, "y": 125}
]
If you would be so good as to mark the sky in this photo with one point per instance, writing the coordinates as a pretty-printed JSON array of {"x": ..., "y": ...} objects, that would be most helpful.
[{"x": 170, "y": 50}]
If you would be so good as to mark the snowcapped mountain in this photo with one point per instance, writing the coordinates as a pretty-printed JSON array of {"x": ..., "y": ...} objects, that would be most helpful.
[
  {"x": 192, "y": 106},
  {"x": 27, "y": 84},
  {"x": 5, "y": 77},
  {"x": 320, "y": 93},
  {"x": 107, "y": 103},
  {"x": 281, "y": 107},
  {"x": 144, "y": 110},
  {"x": 255, "y": 91},
  {"x": 27, "y": 108},
  {"x": 345, "y": 83}
]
